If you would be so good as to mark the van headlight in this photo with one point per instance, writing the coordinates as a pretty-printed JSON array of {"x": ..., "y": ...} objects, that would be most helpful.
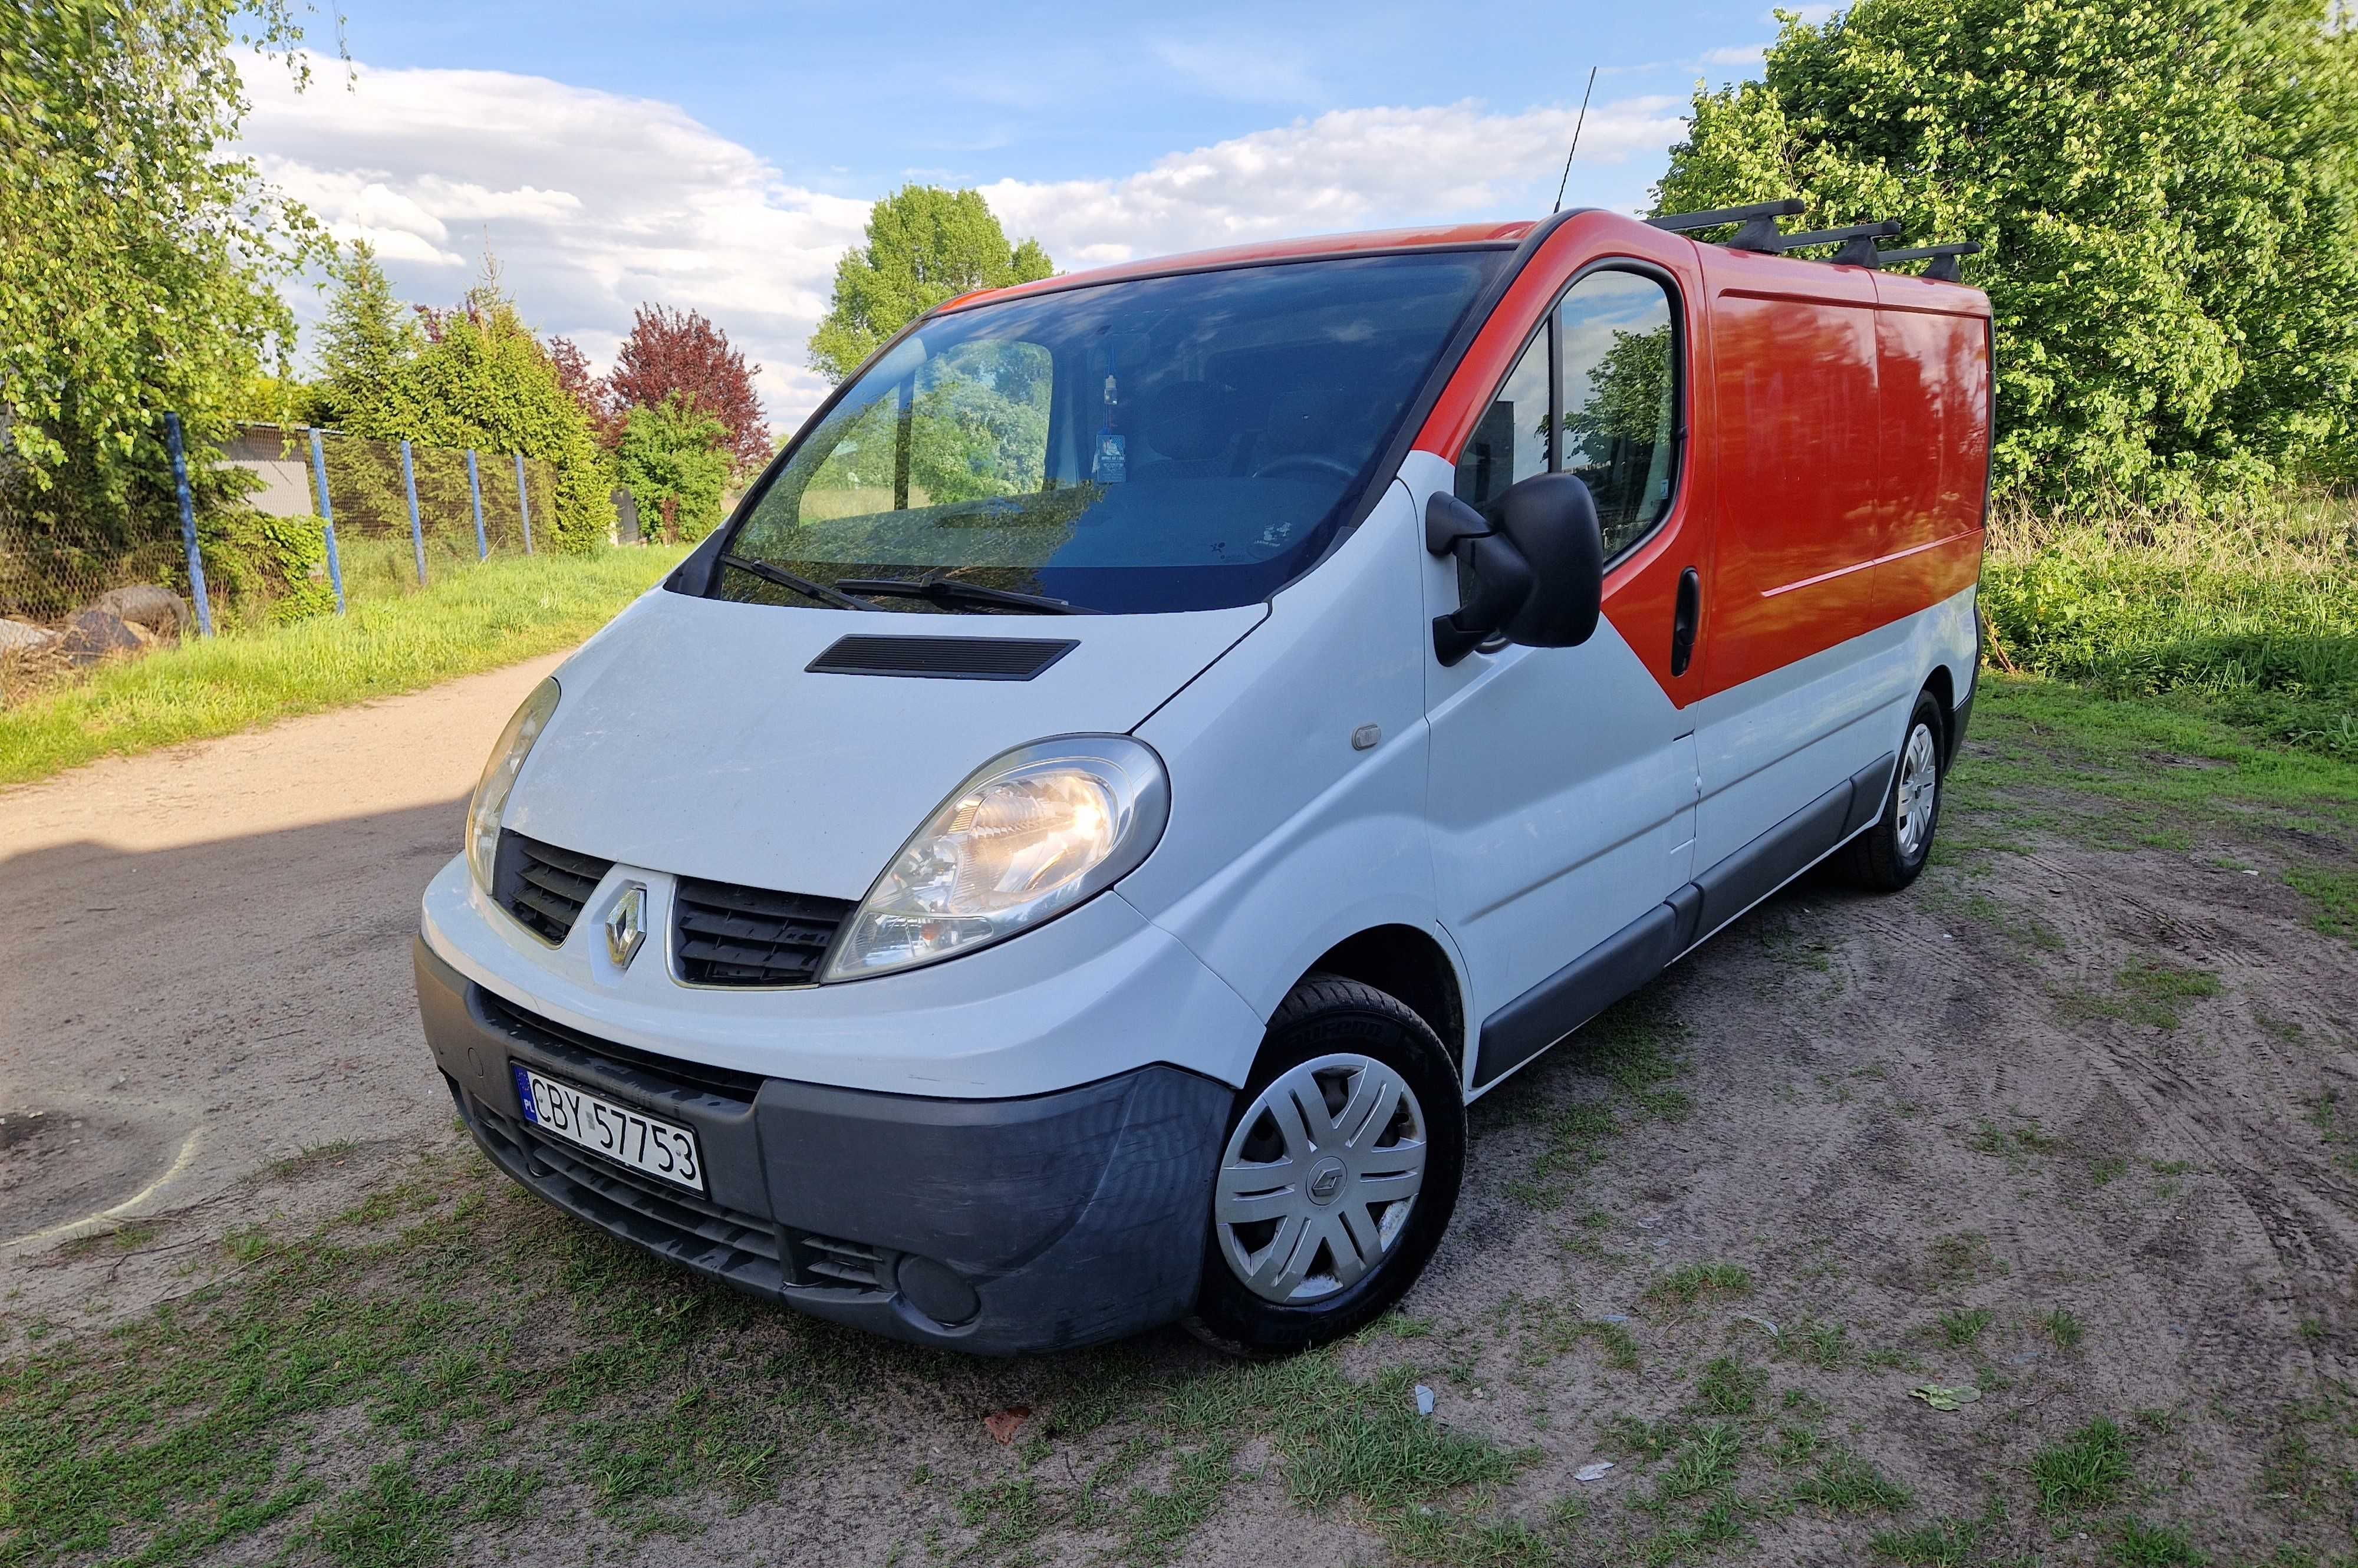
[
  {"x": 492, "y": 791},
  {"x": 1026, "y": 837}
]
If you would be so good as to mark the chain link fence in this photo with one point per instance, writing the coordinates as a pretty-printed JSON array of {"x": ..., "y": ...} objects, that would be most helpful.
[
  {"x": 327, "y": 521},
  {"x": 469, "y": 506}
]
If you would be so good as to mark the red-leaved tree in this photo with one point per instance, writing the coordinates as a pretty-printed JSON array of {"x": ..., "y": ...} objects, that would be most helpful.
[
  {"x": 572, "y": 367},
  {"x": 679, "y": 350}
]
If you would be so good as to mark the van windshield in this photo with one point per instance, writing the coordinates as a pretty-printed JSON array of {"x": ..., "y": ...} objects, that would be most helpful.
[{"x": 1188, "y": 442}]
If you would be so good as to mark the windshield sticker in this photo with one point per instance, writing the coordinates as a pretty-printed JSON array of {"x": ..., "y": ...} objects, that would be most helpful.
[{"x": 1113, "y": 459}]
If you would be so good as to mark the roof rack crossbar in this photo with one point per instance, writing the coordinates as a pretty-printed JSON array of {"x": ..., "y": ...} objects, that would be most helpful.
[
  {"x": 1759, "y": 229},
  {"x": 1688, "y": 222},
  {"x": 1889, "y": 226},
  {"x": 1945, "y": 258}
]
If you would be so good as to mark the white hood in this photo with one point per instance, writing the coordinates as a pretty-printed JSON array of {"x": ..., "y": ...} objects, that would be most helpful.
[{"x": 690, "y": 738}]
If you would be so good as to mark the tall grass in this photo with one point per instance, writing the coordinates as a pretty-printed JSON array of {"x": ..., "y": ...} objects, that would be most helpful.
[
  {"x": 2251, "y": 614},
  {"x": 470, "y": 618}
]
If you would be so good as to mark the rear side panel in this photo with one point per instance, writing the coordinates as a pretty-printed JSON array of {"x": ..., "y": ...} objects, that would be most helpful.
[
  {"x": 1794, "y": 438},
  {"x": 1934, "y": 350}
]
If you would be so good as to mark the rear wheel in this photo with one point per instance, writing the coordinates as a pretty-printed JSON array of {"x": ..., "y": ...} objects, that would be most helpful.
[
  {"x": 1339, "y": 1171},
  {"x": 1888, "y": 856}
]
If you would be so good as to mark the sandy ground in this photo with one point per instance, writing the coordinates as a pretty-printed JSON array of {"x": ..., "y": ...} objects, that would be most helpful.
[
  {"x": 204, "y": 965},
  {"x": 1962, "y": 1099}
]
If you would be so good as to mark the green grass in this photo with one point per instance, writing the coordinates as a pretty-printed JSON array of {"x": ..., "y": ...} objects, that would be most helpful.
[
  {"x": 2090, "y": 1469},
  {"x": 479, "y": 1348},
  {"x": 2063, "y": 1325},
  {"x": 1943, "y": 1543},
  {"x": 1846, "y": 1484},
  {"x": 2136, "y": 1544},
  {"x": 1965, "y": 1326},
  {"x": 2052, "y": 758},
  {"x": 509, "y": 609},
  {"x": 2334, "y": 894},
  {"x": 1682, "y": 1288},
  {"x": 2251, "y": 617},
  {"x": 2148, "y": 991}
]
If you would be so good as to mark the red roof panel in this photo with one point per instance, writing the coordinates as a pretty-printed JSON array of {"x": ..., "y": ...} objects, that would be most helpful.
[{"x": 1370, "y": 239}]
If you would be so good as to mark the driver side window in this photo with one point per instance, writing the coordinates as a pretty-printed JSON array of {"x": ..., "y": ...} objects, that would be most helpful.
[
  {"x": 1512, "y": 441},
  {"x": 1620, "y": 387},
  {"x": 1595, "y": 393}
]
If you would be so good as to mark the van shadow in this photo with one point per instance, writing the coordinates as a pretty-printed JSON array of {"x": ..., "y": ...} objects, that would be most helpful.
[{"x": 213, "y": 1006}]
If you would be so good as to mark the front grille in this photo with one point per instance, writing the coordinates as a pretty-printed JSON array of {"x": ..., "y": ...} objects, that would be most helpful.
[
  {"x": 544, "y": 886},
  {"x": 744, "y": 1249},
  {"x": 731, "y": 935},
  {"x": 727, "y": 1082},
  {"x": 824, "y": 1260}
]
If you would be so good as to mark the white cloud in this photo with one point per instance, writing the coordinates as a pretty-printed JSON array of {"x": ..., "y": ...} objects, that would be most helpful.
[
  {"x": 1742, "y": 56},
  {"x": 594, "y": 202},
  {"x": 1350, "y": 169}
]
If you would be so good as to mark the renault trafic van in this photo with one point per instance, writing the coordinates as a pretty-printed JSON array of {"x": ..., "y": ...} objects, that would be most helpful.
[{"x": 1160, "y": 743}]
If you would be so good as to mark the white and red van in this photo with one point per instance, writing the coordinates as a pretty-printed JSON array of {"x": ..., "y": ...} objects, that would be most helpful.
[{"x": 1160, "y": 743}]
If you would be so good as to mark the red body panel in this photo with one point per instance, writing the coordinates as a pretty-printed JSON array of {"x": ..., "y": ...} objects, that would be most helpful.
[
  {"x": 1796, "y": 439},
  {"x": 1836, "y": 460},
  {"x": 1643, "y": 591},
  {"x": 1266, "y": 251},
  {"x": 1934, "y": 348}
]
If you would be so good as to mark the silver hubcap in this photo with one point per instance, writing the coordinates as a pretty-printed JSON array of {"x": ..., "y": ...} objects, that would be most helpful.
[
  {"x": 1318, "y": 1178},
  {"x": 1920, "y": 789}
]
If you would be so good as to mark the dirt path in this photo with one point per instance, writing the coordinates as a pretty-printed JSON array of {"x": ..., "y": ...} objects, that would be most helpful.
[
  {"x": 204, "y": 966},
  {"x": 2069, "y": 1127}
]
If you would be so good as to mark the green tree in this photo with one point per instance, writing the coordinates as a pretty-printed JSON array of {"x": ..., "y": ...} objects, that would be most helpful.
[
  {"x": 137, "y": 258},
  {"x": 2168, "y": 190},
  {"x": 673, "y": 459},
  {"x": 367, "y": 340},
  {"x": 1628, "y": 394},
  {"x": 483, "y": 381},
  {"x": 924, "y": 245}
]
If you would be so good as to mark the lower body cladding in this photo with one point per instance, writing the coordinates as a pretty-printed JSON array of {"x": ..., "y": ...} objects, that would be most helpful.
[{"x": 987, "y": 1226}]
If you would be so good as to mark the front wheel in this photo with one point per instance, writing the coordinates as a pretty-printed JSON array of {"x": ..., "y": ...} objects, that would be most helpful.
[
  {"x": 1888, "y": 856},
  {"x": 1339, "y": 1172}
]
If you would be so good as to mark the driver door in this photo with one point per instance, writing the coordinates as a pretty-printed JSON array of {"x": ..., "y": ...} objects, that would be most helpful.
[{"x": 1563, "y": 781}]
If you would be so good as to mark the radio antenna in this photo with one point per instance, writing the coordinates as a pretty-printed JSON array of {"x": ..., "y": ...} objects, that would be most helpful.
[{"x": 1577, "y": 125}]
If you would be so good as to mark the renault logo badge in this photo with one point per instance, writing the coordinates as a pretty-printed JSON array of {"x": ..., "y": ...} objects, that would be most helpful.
[{"x": 626, "y": 926}]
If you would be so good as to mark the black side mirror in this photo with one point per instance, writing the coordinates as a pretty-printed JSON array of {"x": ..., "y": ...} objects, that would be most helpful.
[{"x": 1537, "y": 561}]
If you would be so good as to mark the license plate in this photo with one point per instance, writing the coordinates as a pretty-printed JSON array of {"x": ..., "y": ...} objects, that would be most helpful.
[{"x": 628, "y": 1137}]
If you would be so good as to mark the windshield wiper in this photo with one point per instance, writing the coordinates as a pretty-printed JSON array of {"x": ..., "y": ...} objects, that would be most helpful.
[
  {"x": 949, "y": 591},
  {"x": 801, "y": 584}
]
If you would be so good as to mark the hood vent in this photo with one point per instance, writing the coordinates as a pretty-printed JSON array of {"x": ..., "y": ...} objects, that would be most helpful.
[{"x": 941, "y": 658}]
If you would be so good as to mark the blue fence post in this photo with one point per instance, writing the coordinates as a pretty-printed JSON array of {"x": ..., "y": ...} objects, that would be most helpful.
[
  {"x": 189, "y": 525},
  {"x": 522, "y": 506},
  {"x": 475, "y": 488},
  {"x": 416, "y": 528},
  {"x": 327, "y": 517}
]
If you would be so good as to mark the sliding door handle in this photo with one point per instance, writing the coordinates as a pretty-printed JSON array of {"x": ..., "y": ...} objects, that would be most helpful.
[{"x": 1683, "y": 621}]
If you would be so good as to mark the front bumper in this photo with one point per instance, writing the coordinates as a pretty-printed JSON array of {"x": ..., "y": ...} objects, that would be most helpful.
[{"x": 993, "y": 1225}]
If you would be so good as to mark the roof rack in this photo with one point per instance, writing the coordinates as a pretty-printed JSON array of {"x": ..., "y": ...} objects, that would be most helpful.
[
  {"x": 1757, "y": 231},
  {"x": 1945, "y": 258},
  {"x": 1858, "y": 241},
  {"x": 1759, "y": 222}
]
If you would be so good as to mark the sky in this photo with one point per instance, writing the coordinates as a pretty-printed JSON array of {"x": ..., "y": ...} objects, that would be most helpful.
[{"x": 722, "y": 157}]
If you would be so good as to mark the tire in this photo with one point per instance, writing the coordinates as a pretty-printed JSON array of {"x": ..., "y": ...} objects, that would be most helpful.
[
  {"x": 1889, "y": 855},
  {"x": 1334, "y": 1039}
]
